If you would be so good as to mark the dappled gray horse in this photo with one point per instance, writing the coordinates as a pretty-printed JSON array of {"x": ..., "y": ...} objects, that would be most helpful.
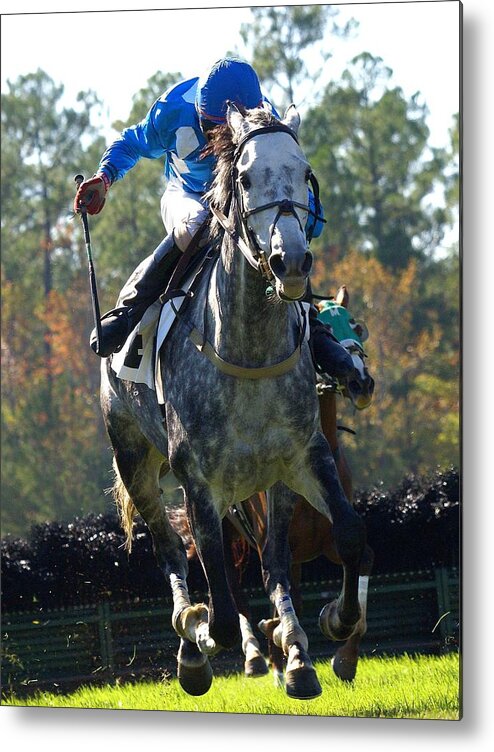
[{"x": 241, "y": 412}]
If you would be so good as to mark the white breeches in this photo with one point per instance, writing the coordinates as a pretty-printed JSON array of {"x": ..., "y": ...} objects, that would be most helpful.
[{"x": 182, "y": 212}]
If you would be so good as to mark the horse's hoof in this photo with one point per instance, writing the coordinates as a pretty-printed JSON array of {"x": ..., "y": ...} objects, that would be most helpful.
[
  {"x": 301, "y": 682},
  {"x": 344, "y": 668},
  {"x": 331, "y": 625},
  {"x": 254, "y": 667},
  {"x": 195, "y": 680},
  {"x": 186, "y": 620},
  {"x": 194, "y": 671},
  {"x": 267, "y": 627}
]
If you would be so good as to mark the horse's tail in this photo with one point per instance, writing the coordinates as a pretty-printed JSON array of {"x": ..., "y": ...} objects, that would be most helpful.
[{"x": 125, "y": 507}]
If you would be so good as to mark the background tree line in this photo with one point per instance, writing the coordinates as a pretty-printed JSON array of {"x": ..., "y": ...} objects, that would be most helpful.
[{"x": 368, "y": 146}]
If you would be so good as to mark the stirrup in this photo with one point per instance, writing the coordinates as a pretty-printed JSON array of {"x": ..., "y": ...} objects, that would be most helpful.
[{"x": 113, "y": 335}]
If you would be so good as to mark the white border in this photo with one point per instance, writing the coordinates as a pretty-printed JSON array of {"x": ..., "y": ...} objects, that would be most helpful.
[{"x": 60, "y": 729}]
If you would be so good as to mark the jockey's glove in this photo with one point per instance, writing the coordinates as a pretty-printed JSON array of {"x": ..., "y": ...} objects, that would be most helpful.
[{"x": 91, "y": 194}]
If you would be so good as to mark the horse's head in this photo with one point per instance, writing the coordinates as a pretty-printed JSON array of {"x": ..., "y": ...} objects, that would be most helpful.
[
  {"x": 351, "y": 333},
  {"x": 359, "y": 389},
  {"x": 270, "y": 189}
]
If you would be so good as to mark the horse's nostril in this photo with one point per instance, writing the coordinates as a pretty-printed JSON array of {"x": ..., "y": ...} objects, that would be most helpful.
[
  {"x": 284, "y": 265},
  {"x": 277, "y": 265},
  {"x": 307, "y": 264}
]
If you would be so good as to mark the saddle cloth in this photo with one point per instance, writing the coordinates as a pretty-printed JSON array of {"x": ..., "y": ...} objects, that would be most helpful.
[{"x": 138, "y": 360}]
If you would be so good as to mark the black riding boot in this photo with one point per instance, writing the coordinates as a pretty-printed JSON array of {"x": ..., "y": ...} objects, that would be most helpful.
[
  {"x": 330, "y": 357},
  {"x": 143, "y": 287}
]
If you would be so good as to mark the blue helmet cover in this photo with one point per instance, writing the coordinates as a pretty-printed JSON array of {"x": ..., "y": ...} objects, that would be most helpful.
[{"x": 229, "y": 79}]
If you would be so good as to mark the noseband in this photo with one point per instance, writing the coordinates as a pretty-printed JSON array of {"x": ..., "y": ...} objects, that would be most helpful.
[{"x": 252, "y": 252}]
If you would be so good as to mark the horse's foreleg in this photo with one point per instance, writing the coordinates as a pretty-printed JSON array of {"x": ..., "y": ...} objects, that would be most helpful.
[
  {"x": 205, "y": 523},
  {"x": 300, "y": 678},
  {"x": 255, "y": 664},
  {"x": 139, "y": 469},
  {"x": 345, "y": 659},
  {"x": 339, "y": 618},
  {"x": 276, "y": 655}
]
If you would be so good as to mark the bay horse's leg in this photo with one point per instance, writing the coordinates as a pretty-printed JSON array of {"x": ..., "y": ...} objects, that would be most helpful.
[
  {"x": 300, "y": 678},
  {"x": 327, "y": 411},
  {"x": 275, "y": 653},
  {"x": 255, "y": 663},
  {"x": 276, "y": 656}
]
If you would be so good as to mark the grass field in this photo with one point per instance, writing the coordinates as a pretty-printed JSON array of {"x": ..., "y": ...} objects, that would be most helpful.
[{"x": 385, "y": 687}]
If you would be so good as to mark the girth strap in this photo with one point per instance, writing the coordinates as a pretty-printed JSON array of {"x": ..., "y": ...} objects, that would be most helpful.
[{"x": 243, "y": 372}]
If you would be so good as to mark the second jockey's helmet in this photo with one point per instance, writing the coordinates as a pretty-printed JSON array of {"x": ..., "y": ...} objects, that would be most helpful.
[{"x": 229, "y": 79}]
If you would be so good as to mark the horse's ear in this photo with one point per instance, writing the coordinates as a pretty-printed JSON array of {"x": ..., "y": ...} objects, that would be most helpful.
[
  {"x": 342, "y": 296},
  {"x": 236, "y": 121},
  {"x": 292, "y": 119}
]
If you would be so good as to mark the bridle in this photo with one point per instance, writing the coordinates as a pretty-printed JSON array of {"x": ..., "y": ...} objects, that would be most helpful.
[{"x": 239, "y": 229}]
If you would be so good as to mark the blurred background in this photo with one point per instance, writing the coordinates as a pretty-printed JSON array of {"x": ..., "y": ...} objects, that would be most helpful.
[{"x": 378, "y": 88}]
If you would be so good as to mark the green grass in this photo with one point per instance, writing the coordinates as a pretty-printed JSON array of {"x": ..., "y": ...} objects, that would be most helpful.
[{"x": 388, "y": 687}]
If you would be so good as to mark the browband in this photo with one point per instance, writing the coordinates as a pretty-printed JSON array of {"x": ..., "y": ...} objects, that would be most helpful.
[{"x": 277, "y": 127}]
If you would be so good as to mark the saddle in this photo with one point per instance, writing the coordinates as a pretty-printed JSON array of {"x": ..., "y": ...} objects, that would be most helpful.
[{"x": 138, "y": 360}]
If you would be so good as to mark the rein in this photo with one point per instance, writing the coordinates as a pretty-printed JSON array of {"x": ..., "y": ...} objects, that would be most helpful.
[{"x": 257, "y": 259}]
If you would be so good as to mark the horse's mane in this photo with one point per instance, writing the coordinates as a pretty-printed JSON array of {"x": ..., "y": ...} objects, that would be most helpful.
[{"x": 222, "y": 145}]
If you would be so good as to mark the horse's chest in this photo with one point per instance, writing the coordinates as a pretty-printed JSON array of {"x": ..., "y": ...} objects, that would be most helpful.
[{"x": 251, "y": 445}]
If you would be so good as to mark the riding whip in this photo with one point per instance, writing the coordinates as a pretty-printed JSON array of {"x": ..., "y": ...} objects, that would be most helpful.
[{"x": 92, "y": 275}]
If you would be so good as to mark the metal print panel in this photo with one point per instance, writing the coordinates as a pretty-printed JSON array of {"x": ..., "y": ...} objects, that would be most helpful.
[{"x": 231, "y": 357}]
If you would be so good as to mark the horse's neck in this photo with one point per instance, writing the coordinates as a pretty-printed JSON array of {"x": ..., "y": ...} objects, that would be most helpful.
[{"x": 246, "y": 323}]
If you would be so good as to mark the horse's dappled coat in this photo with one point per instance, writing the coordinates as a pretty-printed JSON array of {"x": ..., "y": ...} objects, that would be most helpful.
[{"x": 226, "y": 438}]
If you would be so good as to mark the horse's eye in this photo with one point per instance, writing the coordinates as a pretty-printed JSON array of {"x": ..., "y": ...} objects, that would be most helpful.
[{"x": 245, "y": 181}]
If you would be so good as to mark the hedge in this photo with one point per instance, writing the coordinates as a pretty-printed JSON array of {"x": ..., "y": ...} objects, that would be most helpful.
[{"x": 414, "y": 526}]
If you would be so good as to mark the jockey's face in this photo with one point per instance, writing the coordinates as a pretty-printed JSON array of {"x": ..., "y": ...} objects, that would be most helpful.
[{"x": 207, "y": 127}]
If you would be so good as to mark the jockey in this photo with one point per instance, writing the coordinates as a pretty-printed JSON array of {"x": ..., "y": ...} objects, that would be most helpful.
[{"x": 176, "y": 128}]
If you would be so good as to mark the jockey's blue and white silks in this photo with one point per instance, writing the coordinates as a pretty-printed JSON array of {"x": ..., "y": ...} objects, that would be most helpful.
[{"x": 171, "y": 131}]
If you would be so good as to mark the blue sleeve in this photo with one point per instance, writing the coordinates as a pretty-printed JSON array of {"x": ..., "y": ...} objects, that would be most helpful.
[
  {"x": 314, "y": 225},
  {"x": 146, "y": 139}
]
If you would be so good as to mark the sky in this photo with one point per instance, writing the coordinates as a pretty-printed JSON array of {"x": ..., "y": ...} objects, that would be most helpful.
[{"x": 115, "y": 53}]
